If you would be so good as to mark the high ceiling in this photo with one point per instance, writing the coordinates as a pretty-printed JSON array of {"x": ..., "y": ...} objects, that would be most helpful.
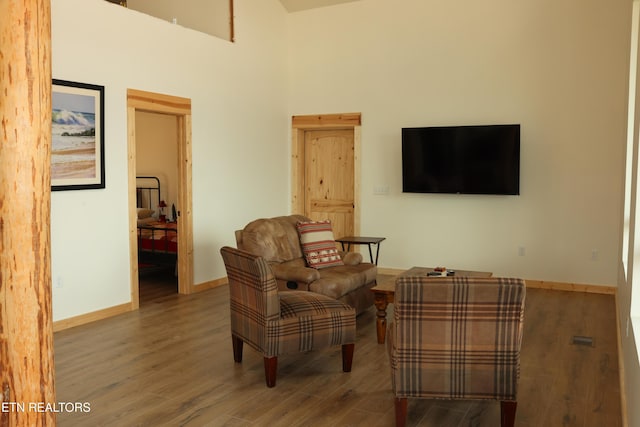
[{"x": 297, "y": 5}]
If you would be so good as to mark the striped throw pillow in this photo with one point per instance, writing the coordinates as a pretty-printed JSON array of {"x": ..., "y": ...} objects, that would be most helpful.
[{"x": 318, "y": 244}]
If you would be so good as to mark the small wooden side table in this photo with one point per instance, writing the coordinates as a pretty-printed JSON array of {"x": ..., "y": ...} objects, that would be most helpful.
[{"x": 361, "y": 240}]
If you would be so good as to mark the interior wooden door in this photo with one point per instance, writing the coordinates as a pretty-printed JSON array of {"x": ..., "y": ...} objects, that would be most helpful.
[{"x": 329, "y": 178}]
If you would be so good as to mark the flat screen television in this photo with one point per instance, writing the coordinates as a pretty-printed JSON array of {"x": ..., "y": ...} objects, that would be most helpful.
[{"x": 461, "y": 159}]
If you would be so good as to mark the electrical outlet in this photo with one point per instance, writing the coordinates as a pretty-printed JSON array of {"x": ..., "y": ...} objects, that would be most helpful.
[
  {"x": 381, "y": 189},
  {"x": 59, "y": 282},
  {"x": 594, "y": 255},
  {"x": 521, "y": 251}
]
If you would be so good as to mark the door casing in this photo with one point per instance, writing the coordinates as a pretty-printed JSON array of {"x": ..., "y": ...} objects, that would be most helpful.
[
  {"x": 302, "y": 124},
  {"x": 180, "y": 108}
]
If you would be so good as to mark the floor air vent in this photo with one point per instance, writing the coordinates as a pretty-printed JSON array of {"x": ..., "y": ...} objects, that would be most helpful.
[{"x": 580, "y": 340}]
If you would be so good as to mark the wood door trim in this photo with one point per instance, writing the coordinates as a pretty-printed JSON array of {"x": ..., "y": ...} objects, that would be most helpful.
[
  {"x": 158, "y": 103},
  {"x": 181, "y": 108},
  {"x": 302, "y": 124},
  {"x": 326, "y": 121}
]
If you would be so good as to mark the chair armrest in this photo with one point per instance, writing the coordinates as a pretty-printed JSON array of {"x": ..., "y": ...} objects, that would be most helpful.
[
  {"x": 295, "y": 273},
  {"x": 351, "y": 258}
]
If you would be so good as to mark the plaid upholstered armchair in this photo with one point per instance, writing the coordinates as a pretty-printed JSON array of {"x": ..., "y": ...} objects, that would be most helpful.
[
  {"x": 275, "y": 323},
  {"x": 456, "y": 338}
]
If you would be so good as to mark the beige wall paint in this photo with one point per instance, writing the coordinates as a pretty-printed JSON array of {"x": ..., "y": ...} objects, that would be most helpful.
[
  {"x": 458, "y": 64},
  {"x": 297, "y": 5},
  {"x": 238, "y": 94},
  {"x": 558, "y": 69},
  {"x": 208, "y": 16},
  {"x": 157, "y": 153}
]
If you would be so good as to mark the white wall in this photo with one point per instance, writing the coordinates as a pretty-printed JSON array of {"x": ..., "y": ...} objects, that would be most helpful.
[
  {"x": 208, "y": 16},
  {"x": 560, "y": 69},
  {"x": 240, "y": 136}
]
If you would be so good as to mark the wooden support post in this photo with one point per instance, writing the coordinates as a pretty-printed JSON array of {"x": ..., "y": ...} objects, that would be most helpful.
[{"x": 26, "y": 331}]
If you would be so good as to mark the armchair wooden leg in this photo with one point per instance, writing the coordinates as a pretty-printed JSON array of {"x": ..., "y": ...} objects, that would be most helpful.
[
  {"x": 401, "y": 411},
  {"x": 508, "y": 413},
  {"x": 270, "y": 369},
  {"x": 237, "y": 348},
  {"x": 347, "y": 356}
]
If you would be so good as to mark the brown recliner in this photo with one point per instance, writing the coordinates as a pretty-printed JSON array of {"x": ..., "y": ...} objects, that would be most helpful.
[{"x": 277, "y": 241}]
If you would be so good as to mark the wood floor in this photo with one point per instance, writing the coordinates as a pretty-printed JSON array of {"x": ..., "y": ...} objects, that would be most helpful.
[
  {"x": 171, "y": 364},
  {"x": 156, "y": 283}
]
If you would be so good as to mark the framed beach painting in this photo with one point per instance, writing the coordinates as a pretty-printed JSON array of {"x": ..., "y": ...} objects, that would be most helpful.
[{"x": 77, "y": 136}]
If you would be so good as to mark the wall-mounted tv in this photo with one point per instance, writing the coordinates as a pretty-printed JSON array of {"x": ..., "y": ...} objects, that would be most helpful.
[{"x": 461, "y": 159}]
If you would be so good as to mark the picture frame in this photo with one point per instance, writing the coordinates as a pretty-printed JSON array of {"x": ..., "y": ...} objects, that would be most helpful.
[{"x": 77, "y": 136}]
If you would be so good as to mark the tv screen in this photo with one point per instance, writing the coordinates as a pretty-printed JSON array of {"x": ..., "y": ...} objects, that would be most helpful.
[{"x": 461, "y": 159}]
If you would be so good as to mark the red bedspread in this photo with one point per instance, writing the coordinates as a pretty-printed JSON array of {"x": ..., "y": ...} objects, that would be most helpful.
[{"x": 158, "y": 236}]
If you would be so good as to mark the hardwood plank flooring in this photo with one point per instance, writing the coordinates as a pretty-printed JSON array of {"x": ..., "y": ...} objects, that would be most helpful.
[
  {"x": 171, "y": 364},
  {"x": 156, "y": 283}
]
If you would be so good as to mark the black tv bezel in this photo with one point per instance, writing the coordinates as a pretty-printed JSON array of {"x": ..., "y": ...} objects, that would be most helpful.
[{"x": 510, "y": 190}]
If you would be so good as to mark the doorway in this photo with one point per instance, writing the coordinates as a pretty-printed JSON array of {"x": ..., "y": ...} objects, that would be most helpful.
[
  {"x": 326, "y": 169},
  {"x": 157, "y": 183},
  {"x": 180, "y": 109}
]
